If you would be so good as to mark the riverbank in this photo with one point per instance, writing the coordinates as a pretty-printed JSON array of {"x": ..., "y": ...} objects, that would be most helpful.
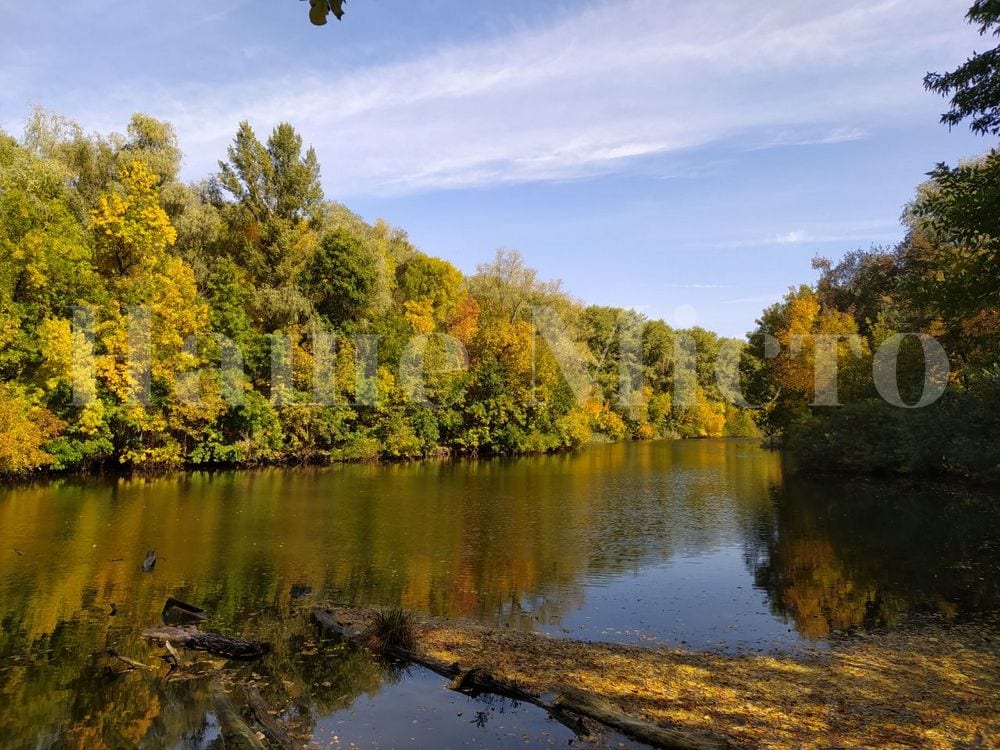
[
  {"x": 935, "y": 685},
  {"x": 315, "y": 459}
]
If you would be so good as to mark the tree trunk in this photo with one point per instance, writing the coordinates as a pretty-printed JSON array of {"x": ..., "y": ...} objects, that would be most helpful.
[
  {"x": 211, "y": 643},
  {"x": 600, "y": 709}
]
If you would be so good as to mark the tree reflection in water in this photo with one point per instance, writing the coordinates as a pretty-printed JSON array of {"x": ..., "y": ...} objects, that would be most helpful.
[
  {"x": 840, "y": 554},
  {"x": 522, "y": 543}
]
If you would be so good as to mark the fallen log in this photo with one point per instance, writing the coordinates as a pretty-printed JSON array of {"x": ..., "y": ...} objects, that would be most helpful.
[
  {"x": 211, "y": 643},
  {"x": 604, "y": 711},
  {"x": 235, "y": 732},
  {"x": 569, "y": 706},
  {"x": 272, "y": 728},
  {"x": 466, "y": 681}
]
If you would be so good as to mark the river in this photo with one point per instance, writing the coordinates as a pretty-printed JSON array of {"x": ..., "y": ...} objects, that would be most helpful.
[{"x": 705, "y": 544}]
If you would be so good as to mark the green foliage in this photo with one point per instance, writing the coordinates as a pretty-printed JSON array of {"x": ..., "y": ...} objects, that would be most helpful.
[
  {"x": 341, "y": 279},
  {"x": 873, "y": 437},
  {"x": 254, "y": 288},
  {"x": 974, "y": 87},
  {"x": 942, "y": 281},
  {"x": 320, "y": 9},
  {"x": 270, "y": 218},
  {"x": 45, "y": 255},
  {"x": 958, "y": 213}
]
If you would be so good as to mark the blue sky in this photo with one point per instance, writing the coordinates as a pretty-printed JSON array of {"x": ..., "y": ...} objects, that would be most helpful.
[{"x": 687, "y": 158}]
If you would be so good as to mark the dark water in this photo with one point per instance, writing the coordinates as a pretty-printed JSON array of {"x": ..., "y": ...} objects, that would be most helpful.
[{"x": 701, "y": 543}]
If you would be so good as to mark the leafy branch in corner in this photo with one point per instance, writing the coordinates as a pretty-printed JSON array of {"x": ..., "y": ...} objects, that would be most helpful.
[
  {"x": 974, "y": 87},
  {"x": 320, "y": 9}
]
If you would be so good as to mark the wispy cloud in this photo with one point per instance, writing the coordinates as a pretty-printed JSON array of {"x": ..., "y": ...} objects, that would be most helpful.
[
  {"x": 698, "y": 286},
  {"x": 795, "y": 237},
  {"x": 812, "y": 137},
  {"x": 865, "y": 232},
  {"x": 587, "y": 94},
  {"x": 758, "y": 300}
]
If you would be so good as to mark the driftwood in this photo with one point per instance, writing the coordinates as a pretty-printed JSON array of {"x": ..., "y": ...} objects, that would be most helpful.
[
  {"x": 130, "y": 663},
  {"x": 466, "y": 681},
  {"x": 273, "y": 729},
  {"x": 602, "y": 710},
  {"x": 211, "y": 643},
  {"x": 566, "y": 709},
  {"x": 235, "y": 732}
]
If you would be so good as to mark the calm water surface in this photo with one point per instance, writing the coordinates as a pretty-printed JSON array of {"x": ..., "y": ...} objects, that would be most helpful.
[{"x": 700, "y": 543}]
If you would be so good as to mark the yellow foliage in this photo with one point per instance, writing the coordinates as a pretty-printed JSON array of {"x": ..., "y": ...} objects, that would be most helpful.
[
  {"x": 420, "y": 315},
  {"x": 644, "y": 432},
  {"x": 575, "y": 427},
  {"x": 55, "y": 338},
  {"x": 603, "y": 419},
  {"x": 134, "y": 225},
  {"x": 513, "y": 345},
  {"x": 24, "y": 430},
  {"x": 805, "y": 321}
]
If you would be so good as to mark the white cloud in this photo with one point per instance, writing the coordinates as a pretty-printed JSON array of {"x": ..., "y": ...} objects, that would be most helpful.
[
  {"x": 615, "y": 82},
  {"x": 865, "y": 232},
  {"x": 812, "y": 137},
  {"x": 796, "y": 237},
  {"x": 698, "y": 286},
  {"x": 763, "y": 299}
]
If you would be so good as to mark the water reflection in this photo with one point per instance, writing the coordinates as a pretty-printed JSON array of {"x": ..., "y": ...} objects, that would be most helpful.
[
  {"x": 837, "y": 555},
  {"x": 704, "y": 543}
]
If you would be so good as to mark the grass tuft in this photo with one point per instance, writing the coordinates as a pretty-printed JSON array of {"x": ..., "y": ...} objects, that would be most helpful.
[{"x": 390, "y": 630}]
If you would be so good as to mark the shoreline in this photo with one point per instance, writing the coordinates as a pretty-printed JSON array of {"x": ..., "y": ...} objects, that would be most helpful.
[
  {"x": 926, "y": 686},
  {"x": 109, "y": 471}
]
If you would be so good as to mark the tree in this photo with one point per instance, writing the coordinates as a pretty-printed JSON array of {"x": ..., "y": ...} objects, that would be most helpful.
[
  {"x": 864, "y": 283},
  {"x": 795, "y": 323},
  {"x": 974, "y": 87},
  {"x": 91, "y": 163},
  {"x": 276, "y": 181},
  {"x": 24, "y": 431},
  {"x": 957, "y": 215},
  {"x": 153, "y": 142},
  {"x": 46, "y": 262},
  {"x": 341, "y": 279},
  {"x": 271, "y": 221},
  {"x": 434, "y": 284},
  {"x": 129, "y": 224},
  {"x": 508, "y": 288}
]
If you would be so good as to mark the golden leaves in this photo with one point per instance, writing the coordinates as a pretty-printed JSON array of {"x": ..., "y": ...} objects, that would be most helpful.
[{"x": 24, "y": 431}]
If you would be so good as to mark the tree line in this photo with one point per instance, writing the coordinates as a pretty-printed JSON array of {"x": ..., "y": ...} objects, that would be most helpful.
[
  {"x": 149, "y": 323},
  {"x": 942, "y": 282}
]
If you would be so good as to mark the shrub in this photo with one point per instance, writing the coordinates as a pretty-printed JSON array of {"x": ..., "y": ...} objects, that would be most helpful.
[{"x": 390, "y": 630}]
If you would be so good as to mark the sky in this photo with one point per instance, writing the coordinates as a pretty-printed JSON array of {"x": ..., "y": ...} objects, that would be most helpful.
[{"x": 686, "y": 159}]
